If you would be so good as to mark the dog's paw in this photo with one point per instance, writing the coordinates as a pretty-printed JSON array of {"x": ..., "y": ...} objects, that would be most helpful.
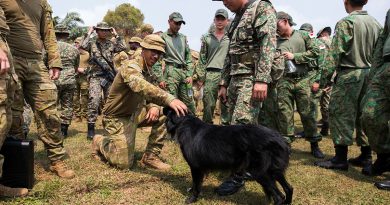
[{"x": 191, "y": 199}]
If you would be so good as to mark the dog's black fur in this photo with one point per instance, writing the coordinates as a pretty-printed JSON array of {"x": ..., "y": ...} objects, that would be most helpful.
[{"x": 238, "y": 148}]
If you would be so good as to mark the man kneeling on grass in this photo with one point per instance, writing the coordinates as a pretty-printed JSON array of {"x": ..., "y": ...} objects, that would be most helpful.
[{"x": 131, "y": 90}]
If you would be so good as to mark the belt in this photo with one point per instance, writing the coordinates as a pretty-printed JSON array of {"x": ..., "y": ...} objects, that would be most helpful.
[
  {"x": 353, "y": 68},
  {"x": 295, "y": 75},
  {"x": 214, "y": 69},
  {"x": 175, "y": 65}
]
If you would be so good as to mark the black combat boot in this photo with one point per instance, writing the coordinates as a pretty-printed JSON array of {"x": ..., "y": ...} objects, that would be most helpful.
[
  {"x": 325, "y": 129},
  {"x": 381, "y": 165},
  {"x": 64, "y": 130},
  {"x": 364, "y": 159},
  {"x": 91, "y": 131},
  {"x": 316, "y": 151},
  {"x": 231, "y": 185},
  {"x": 383, "y": 185},
  {"x": 338, "y": 162}
]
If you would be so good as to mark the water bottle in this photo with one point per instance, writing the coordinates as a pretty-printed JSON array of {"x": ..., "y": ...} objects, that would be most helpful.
[
  {"x": 190, "y": 92},
  {"x": 291, "y": 68}
]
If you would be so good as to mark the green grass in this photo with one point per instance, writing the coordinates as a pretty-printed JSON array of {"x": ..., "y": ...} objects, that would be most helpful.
[{"x": 98, "y": 183}]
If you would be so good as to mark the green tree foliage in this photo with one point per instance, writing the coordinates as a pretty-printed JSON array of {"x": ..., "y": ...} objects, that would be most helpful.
[
  {"x": 125, "y": 18},
  {"x": 72, "y": 21}
]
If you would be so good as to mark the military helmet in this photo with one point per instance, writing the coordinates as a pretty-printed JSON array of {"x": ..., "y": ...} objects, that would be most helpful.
[
  {"x": 61, "y": 28},
  {"x": 102, "y": 26},
  {"x": 153, "y": 42}
]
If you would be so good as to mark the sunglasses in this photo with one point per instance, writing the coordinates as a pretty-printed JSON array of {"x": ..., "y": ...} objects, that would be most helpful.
[{"x": 178, "y": 23}]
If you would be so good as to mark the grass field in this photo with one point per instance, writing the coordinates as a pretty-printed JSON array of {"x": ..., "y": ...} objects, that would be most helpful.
[{"x": 98, "y": 183}]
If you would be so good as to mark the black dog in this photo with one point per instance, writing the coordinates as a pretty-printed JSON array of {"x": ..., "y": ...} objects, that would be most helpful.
[{"x": 255, "y": 149}]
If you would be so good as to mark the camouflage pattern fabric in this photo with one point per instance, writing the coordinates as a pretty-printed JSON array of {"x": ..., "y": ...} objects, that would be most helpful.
[
  {"x": 249, "y": 60},
  {"x": 352, "y": 70},
  {"x": 66, "y": 84},
  {"x": 27, "y": 118},
  {"x": 297, "y": 90},
  {"x": 80, "y": 98},
  {"x": 96, "y": 95},
  {"x": 35, "y": 85},
  {"x": 7, "y": 89},
  {"x": 376, "y": 110}
]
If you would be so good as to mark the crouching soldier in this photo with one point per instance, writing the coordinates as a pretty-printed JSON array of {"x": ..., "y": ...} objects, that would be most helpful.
[{"x": 129, "y": 92}]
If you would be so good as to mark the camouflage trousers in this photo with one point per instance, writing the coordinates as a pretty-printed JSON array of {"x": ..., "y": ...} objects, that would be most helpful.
[
  {"x": 242, "y": 109},
  {"x": 95, "y": 97},
  {"x": 345, "y": 107},
  {"x": 210, "y": 98},
  {"x": 268, "y": 116},
  {"x": 65, "y": 102},
  {"x": 40, "y": 92},
  {"x": 27, "y": 118},
  {"x": 296, "y": 91},
  {"x": 118, "y": 146},
  {"x": 8, "y": 85},
  {"x": 80, "y": 98},
  {"x": 376, "y": 111},
  {"x": 324, "y": 106},
  {"x": 175, "y": 78}
]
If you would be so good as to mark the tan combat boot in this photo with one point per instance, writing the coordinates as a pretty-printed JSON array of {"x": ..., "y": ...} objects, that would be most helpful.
[
  {"x": 153, "y": 161},
  {"x": 59, "y": 168},
  {"x": 12, "y": 192},
  {"x": 95, "y": 146}
]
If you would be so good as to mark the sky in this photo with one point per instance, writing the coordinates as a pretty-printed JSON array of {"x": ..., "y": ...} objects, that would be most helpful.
[{"x": 199, "y": 14}]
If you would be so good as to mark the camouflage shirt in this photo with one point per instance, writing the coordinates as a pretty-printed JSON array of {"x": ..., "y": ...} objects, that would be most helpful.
[
  {"x": 353, "y": 42},
  {"x": 32, "y": 30},
  {"x": 70, "y": 58},
  {"x": 252, "y": 43},
  {"x": 102, "y": 49},
  {"x": 131, "y": 89},
  {"x": 4, "y": 29}
]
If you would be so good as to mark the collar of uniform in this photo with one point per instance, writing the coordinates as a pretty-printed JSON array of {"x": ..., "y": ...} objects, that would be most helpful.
[
  {"x": 171, "y": 34},
  {"x": 358, "y": 12},
  {"x": 141, "y": 63}
]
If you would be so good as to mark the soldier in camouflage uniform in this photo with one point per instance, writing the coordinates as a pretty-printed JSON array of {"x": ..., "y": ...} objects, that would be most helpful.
[
  {"x": 376, "y": 107},
  {"x": 132, "y": 85},
  {"x": 145, "y": 29},
  {"x": 7, "y": 90},
  {"x": 66, "y": 84},
  {"x": 135, "y": 47},
  {"x": 102, "y": 50},
  {"x": 80, "y": 98},
  {"x": 213, "y": 52},
  {"x": 177, "y": 77},
  {"x": 324, "y": 37},
  {"x": 32, "y": 31},
  {"x": 296, "y": 86},
  {"x": 246, "y": 72},
  {"x": 351, "y": 56}
]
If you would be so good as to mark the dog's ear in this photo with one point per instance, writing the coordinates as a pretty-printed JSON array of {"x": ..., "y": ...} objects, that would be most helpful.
[{"x": 167, "y": 110}]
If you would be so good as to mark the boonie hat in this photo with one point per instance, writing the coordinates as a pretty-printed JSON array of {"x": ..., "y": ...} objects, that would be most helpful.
[
  {"x": 102, "y": 26},
  {"x": 60, "y": 28},
  {"x": 153, "y": 42},
  {"x": 135, "y": 40}
]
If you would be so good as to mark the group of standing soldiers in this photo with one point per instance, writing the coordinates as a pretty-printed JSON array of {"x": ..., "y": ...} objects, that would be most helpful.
[{"x": 257, "y": 65}]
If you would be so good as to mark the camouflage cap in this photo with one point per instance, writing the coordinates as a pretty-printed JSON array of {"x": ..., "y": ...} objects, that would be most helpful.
[
  {"x": 284, "y": 15},
  {"x": 176, "y": 17},
  {"x": 153, "y": 42},
  {"x": 306, "y": 27},
  {"x": 78, "y": 40},
  {"x": 222, "y": 12},
  {"x": 146, "y": 28},
  {"x": 102, "y": 26},
  {"x": 327, "y": 29},
  {"x": 61, "y": 28},
  {"x": 135, "y": 40}
]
